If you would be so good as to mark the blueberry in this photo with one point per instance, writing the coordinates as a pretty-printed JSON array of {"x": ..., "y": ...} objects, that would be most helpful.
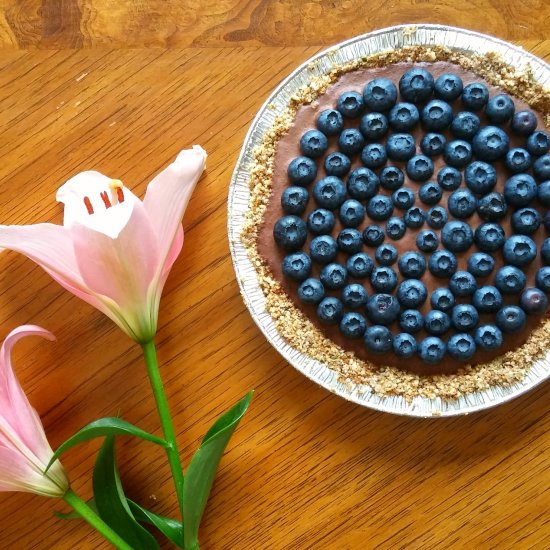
[
  {"x": 448, "y": 86},
  {"x": 542, "y": 279},
  {"x": 489, "y": 237},
  {"x": 436, "y": 217},
  {"x": 546, "y": 221},
  {"x": 433, "y": 144},
  {"x": 416, "y": 85},
  {"x": 290, "y": 233},
  {"x": 349, "y": 241},
  {"x": 373, "y": 235},
  {"x": 351, "y": 141},
  {"x": 383, "y": 279},
  {"x": 404, "y": 345},
  {"x": 297, "y": 266},
  {"x": 329, "y": 192},
  {"x": 323, "y": 249},
  {"x": 480, "y": 177},
  {"x": 545, "y": 251},
  {"x": 380, "y": 208},
  {"x": 320, "y": 221},
  {"x": 436, "y": 115},
  {"x": 330, "y": 310},
  {"x": 510, "y": 319},
  {"x": 414, "y": 217},
  {"x": 437, "y": 322},
  {"x": 464, "y": 317},
  {"x": 520, "y": 190},
  {"x": 432, "y": 350},
  {"x": 311, "y": 291},
  {"x": 490, "y": 143},
  {"x": 462, "y": 203},
  {"x": 462, "y": 284},
  {"x": 427, "y": 240},
  {"x": 403, "y": 116},
  {"x": 412, "y": 293},
  {"x": 352, "y": 213},
  {"x": 362, "y": 184},
  {"x": 526, "y": 221},
  {"x": 500, "y": 108},
  {"x": 374, "y": 125},
  {"x": 519, "y": 250},
  {"x": 391, "y": 178},
  {"x": 541, "y": 168},
  {"x": 374, "y": 155},
  {"x": 350, "y": 104},
  {"x": 461, "y": 346},
  {"x": 395, "y": 228},
  {"x": 420, "y": 168},
  {"x": 313, "y": 144},
  {"x": 386, "y": 254},
  {"x": 442, "y": 299},
  {"x": 488, "y": 337},
  {"x": 492, "y": 207},
  {"x": 334, "y": 276},
  {"x": 294, "y": 200},
  {"x": 475, "y": 96},
  {"x": 302, "y": 170},
  {"x": 465, "y": 125},
  {"x": 457, "y": 236},
  {"x": 481, "y": 264},
  {"x": 449, "y": 178},
  {"x": 543, "y": 193},
  {"x": 378, "y": 339},
  {"x": 442, "y": 264},
  {"x": 533, "y": 301},
  {"x": 430, "y": 193},
  {"x": 518, "y": 160},
  {"x": 524, "y": 123},
  {"x": 337, "y": 164},
  {"x": 383, "y": 309},
  {"x": 354, "y": 296},
  {"x": 538, "y": 143},
  {"x": 510, "y": 280},
  {"x": 380, "y": 94},
  {"x": 359, "y": 265},
  {"x": 411, "y": 321},
  {"x": 487, "y": 299},
  {"x": 330, "y": 122},
  {"x": 412, "y": 265},
  {"x": 458, "y": 153},
  {"x": 353, "y": 325},
  {"x": 403, "y": 199},
  {"x": 400, "y": 146}
]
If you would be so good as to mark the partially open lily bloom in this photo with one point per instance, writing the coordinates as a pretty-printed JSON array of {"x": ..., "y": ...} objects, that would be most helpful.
[
  {"x": 113, "y": 250},
  {"x": 24, "y": 449}
]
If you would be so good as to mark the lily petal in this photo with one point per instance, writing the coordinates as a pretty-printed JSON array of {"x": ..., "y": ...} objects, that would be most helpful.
[{"x": 168, "y": 194}]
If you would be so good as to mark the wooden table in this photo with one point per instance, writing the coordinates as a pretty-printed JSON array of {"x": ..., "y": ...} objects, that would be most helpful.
[{"x": 122, "y": 86}]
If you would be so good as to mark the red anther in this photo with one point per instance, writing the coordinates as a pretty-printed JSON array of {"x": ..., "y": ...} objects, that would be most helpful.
[
  {"x": 105, "y": 199},
  {"x": 88, "y": 205},
  {"x": 120, "y": 194}
]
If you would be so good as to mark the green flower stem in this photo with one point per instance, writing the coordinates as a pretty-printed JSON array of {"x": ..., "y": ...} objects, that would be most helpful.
[
  {"x": 150, "y": 354},
  {"x": 86, "y": 513}
]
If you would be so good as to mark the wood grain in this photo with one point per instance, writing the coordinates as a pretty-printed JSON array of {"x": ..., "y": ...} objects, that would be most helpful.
[{"x": 121, "y": 87}]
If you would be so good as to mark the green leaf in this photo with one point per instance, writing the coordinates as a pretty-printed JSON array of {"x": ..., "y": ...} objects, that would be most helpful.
[
  {"x": 203, "y": 466},
  {"x": 101, "y": 428},
  {"x": 169, "y": 527},
  {"x": 74, "y": 514},
  {"x": 111, "y": 503}
]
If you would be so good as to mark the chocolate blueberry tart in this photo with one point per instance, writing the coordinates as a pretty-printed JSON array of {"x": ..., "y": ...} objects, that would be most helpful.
[{"x": 399, "y": 221}]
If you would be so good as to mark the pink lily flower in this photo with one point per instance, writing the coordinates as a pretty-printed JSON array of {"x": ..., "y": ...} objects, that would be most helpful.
[
  {"x": 113, "y": 250},
  {"x": 24, "y": 449}
]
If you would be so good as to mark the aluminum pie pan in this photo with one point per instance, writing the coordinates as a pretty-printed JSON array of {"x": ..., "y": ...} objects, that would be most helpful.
[{"x": 238, "y": 204}]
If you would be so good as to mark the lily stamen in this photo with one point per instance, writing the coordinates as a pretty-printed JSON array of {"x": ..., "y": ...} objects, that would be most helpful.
[
  {"x": 105, "y": 199},
  {"x": 120, "y": 194},
  {"x": 88, "y": 205}
]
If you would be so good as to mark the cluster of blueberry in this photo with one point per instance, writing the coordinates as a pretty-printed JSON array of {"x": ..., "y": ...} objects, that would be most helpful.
[{"x": 468, "y": 155}]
